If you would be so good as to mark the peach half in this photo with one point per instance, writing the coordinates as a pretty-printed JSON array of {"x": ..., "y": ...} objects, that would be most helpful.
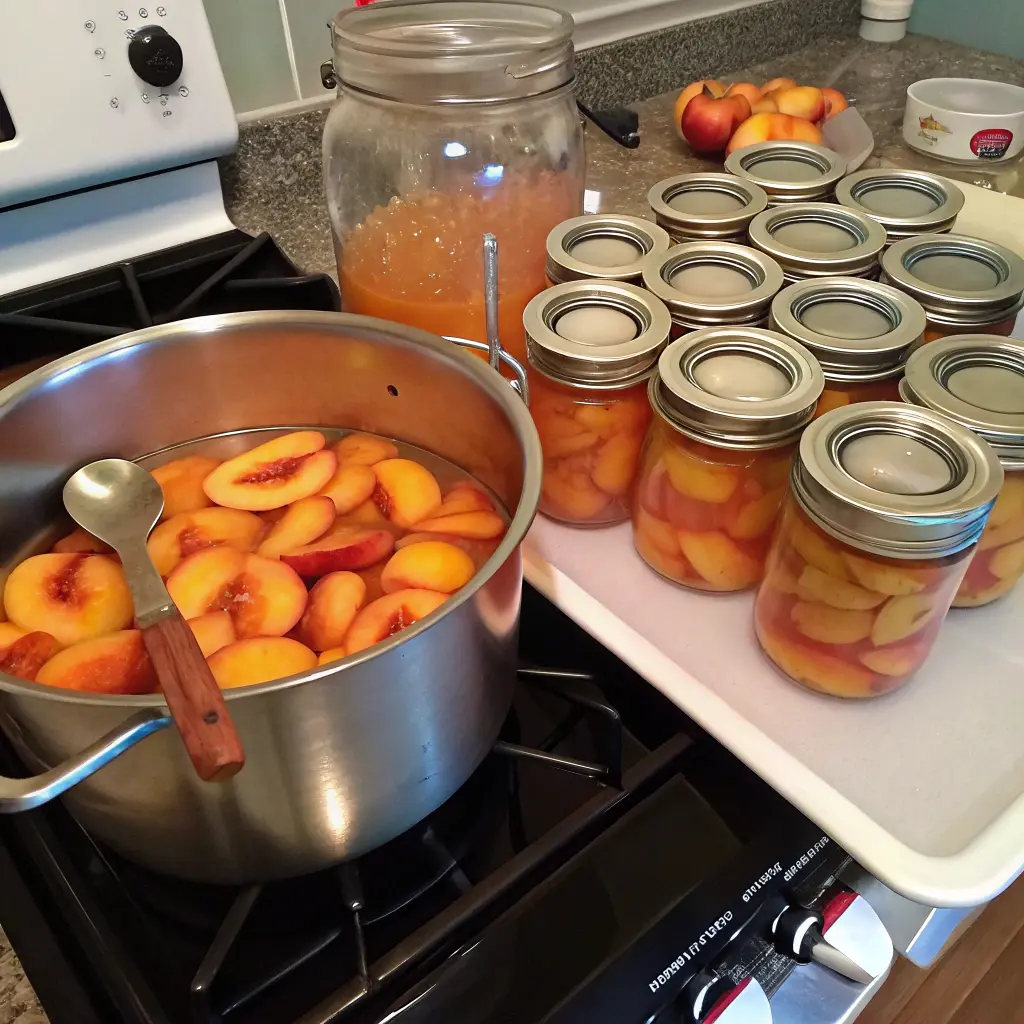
[
  {"x": 358, "y": 449},
  {"x": 185, "y": 534},
  {"x": 80, "y": 541},
  {"x": 27, "y": 654},
  {"x": 303, "y": 522},
  {"x": 464, "y": 497},
  {"x": 347, "y": 547},
  {"x": 478, "y": 550},
  {"x": 350, "y": 487},
  {"x": 333, "y": 604},
  {"x": 182, "y": 483},
  {"x": 213, "y": 631},
  {"x": 432, "y": 565},
  {"x": 259, "y": 660},
  {"x": 273, "y": 474},
  {"x": 389, "y": 615},
  {"x": 117, "y": 663},
  {"x": 406, "y": 492}
]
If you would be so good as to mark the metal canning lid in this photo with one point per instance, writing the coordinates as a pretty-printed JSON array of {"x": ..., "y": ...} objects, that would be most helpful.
[
  {"x": 737, "y": 387},
  {"x": 959, "y": 280},
  {"x": 818, "y": 240},
  {"x": 605, "y": 334},
  {"x": 706, "y": 205},
  {"x": 896, "y": 480},
  {"x": 977, "y": 380},
  {"x": 904, "y": 202},
  {"x": 858, "y": 330},
  {"x": 705, "y": 284},
  {"x": 606, "y": 246},
  {"x": 453, "y": 52},
  {"x": 789, "y": 172}
]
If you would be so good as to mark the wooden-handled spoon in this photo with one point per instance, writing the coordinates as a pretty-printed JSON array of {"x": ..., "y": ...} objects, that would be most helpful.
[{"x": 120, "y": 503}]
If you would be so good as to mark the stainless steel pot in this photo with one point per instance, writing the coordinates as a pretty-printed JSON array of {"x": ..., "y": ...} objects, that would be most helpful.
[{"x": 339, "y": 759}]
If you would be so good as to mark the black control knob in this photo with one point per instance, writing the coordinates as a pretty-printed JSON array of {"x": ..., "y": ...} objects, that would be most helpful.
[{"x": 155, "y": 56}]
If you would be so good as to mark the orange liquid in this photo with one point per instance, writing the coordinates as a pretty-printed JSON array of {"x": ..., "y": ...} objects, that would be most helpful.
[{"x": 419, "y": 260}]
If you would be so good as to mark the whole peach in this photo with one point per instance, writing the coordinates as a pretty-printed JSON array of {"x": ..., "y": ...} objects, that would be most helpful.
[
  {"x": 708, "y": 122},
  {"x": 694, "y": 89},
  {"x": 835, "y": 102},
  {"x": 769, "y": 127},
  {"x": 801, "y": 101},
  {"x": 777, "y": 83},
  {"x": 765, "y": 105},
  {"x": 747, "y": 90}
]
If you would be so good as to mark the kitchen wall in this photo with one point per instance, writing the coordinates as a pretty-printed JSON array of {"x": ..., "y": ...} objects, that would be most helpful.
[{"x": 995, "y": 25}]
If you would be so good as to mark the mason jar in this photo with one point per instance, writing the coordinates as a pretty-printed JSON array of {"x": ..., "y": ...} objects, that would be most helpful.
[
  {"x": 707, "y": 206},
  {"x": 861, "y": 333},
  {"x": 602, "y": 247},
  {"x": 978, "y": 380},
  {"x": 966, "y": 285},
  {"x": 885, "y": 509},
  {"x": 789, "y": 172},
  {"x": 452, "y": 119},
  {"x": 729, "y": 405},
  {"x": 591, "y": 346}
]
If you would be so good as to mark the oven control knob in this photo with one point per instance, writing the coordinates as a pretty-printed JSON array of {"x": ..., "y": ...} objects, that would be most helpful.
[
  {"x": 710, "y": 999},
  {"x": 155, "y": 56}
]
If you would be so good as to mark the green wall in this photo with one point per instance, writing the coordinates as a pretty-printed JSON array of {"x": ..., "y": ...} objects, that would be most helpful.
[{"x": 996, "y": 25}]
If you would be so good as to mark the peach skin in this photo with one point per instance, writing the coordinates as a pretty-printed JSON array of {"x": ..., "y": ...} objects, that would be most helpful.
[
  {"x": 348, "y": 547},
  {"x": 304, "y": 521},
  {"x": 708, "y": 123},
  {"x": 27, "y": 655},
  {"x": 747, "y": 90},
  {"x": 835, "y": 102},
  {"x": 333, "y": 604},
  {"x": 801, "y": 101},
  {"x": 389, "y": 615},
  {"x": 768, "y": 127},
  {"x": 432, "y": 565},
  {"x": 185, "y": 534},
  {"x": 694, "y": 89},
  {"x": 181, "y": 482},
  {"x": 260, "y": 660},
  {"x": 117, "y": 663}
]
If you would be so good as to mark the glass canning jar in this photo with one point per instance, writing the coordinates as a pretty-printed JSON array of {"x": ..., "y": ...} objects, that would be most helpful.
[
  {"x": 978, "y": 380},
  {"x": 453, "y": 119},
  {"x": 591, "y": 346},
  {"x": 729, "y": 404},
  {"x": 886, "y": 505},
  {"x": 602, "y": 247}
]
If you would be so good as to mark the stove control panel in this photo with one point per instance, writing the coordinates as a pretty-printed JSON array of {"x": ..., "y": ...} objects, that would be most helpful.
[
  {"x": 712, "y": 998},
  {"x": 97, "y": 91}
]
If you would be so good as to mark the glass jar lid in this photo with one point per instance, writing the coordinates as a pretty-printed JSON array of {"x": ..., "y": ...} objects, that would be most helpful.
[
  {"x": 605, "y": 246},
  {"x": 710, "y": 283},
  {"x": 595, "y": 333},
  {"x": 958, "y": 279},
  {"x": 737, "y": 387},
  {"x": 977, "y": 380},
  {"x": 451, "y": 51},
  {"x": 818, "y": 239},
  {"x": 896, "y": 480},
  {"x": 903, "y": 202},
  {"x": 859, "y": 330},
  {"x": 706, "y": 205},
  {"x": 789, "y": 172}
]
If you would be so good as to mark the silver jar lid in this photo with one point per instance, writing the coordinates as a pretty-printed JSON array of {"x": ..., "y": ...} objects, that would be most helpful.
[
  {"x": 605, "y": 334},
  {"x": 606, "y": 246},
  {"x": 789, "y": 172},
  {"x": 858, "y": 330},
  {"x": 737, "y": 387},
  {"x": 706, "y": 205},
  {"x": 977, "y": 380},
  {"x": 453, "y": 51},
  {"x": 904, "y": 202},
  {"x": 959, "y": 280},
  {"x": 709, "y": 283},
  {"x": 895, "y": 480},
  {"x": 818, "y": 240}
]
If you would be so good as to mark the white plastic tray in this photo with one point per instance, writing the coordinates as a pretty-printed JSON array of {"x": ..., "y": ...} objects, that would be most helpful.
[{"x": 924, "y": 787}]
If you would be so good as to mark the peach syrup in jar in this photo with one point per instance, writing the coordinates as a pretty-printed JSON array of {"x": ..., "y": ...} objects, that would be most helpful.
[
  {"x": 729, "y": 404},
  {"x": 885, "y": 509}
]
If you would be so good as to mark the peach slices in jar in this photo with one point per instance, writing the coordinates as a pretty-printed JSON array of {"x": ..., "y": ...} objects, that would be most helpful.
[
  {"x": 729, "y": 405},
  {"x": 886, "y": 506},
  {"x": 591, "y": 347}
]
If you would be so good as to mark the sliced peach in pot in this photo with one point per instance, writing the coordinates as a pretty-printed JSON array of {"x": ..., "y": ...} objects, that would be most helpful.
[
  {"x": 305, "y": 521},
  {"x": 366, "y": 514},
  {"x": 406, "y": 492},
  {"x": 432, "y": 565},
  {"x": 334, "y": 654},
  {"x": 472, "y": 525},
  {"x": 259, "y": 660},
  {"x": 27, "y": 655},
  {"x": 350, "y": 487},
  {"x": 264, "y": 597},
  {"x": 357, "y": 449},
  {"x": 185, "y": 534},
  {"x": 333, "y": 603},
  {"x": 273, "y": 474},
  {"x": 79, "y": 541},
  {"x": 390, "y": 614},
  {"x": 719, "y": 560},
  {"x": 478, "y": 550},
  {"x": 73, "y": 597},
  {"x": 182, "y": 483},
  {"x": 9, "y": 632},
  {"x": 464, "y": 497},
  {"x": 117, "y": 663},
  {"x": 348, "y": 547},
  {"x": 213, "y": 631}
]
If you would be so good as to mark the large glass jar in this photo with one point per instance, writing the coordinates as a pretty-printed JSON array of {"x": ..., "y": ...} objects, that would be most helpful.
[
  {"x": 453, "y": 119},
  {"x": 886, "y": 506}
]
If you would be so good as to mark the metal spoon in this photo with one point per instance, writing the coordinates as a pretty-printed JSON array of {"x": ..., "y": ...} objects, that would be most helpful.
[{"x": 120, "y": 503}]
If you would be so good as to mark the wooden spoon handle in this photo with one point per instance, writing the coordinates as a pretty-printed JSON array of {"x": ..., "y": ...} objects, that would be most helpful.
[{"x": 194, "y": 698}]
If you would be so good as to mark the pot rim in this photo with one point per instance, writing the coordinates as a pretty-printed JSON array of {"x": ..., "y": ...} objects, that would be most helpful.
[{"x": 492, "y": 382}]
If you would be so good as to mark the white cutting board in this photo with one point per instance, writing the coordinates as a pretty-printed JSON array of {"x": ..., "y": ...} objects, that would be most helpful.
[{"x": 924, "y": 787}]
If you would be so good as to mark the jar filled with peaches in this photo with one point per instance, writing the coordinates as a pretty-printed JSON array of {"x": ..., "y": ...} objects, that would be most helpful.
[
  {"x": 887, "y": 503},
  {"x": 591, "y": 347},
  {"x": 729, "y": 405},
  {"x": 860, "y": 331},
  {"x": 978, "y": 380}
]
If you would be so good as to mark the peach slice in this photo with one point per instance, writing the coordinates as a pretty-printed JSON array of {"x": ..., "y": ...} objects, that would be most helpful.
[
  {"x": 366, "y": 514},
  {"x": 471, "y": 525},
  {"x": 357, "y": 449},
  {"x": 615, "y": 464},
  {"x": 406, "y": 492},
  {"x": 213, "y": 631},
  {"x": 815, "y": 669},
  {"x": 273, "y": 474},
  {"x": 78, "y": 541},
  {"x": 658, "y": 532},
  {"x": 703, "y": 481},
  {"x": 72, "y": 597},
  {"x": 464, "y": 497},
  {"x": 350, "y": 487},
  {"x": 755, "y": 518},
  {"x": 652, "y": 489},
  {"x": 568, "y": 492},
  {"x": 815, "y": 585},
  {"x": 334, "y": 654},
  {"x": 718, "y": 560},
  {"x": 815, "y": 550},
  {"x": 333, "y": 603},
  {"x": 305, "y": 521},
  {"x": 903, "y": 616},
  {"x": 259, "y": 660},
  {"x": 183, "y": 535},
  {"x": 614, "y": 419},
  {"x": 975, "y": 599},
  {"x": 672, "y": 566},
  {"x": 782, "y": 579},
  {"x": 560, "y": 445},
  {"x": 830, "y": 625},
  {"x": 117, "y": 663},
  {"x": 264, "y": 597},
  {"x": 371, "y": 577},
  {"x": 348, "y": 547},
  {"x": 182, "y": 483},
  {"x": 9, "y": 632},
  {"x": 892, "y": 580},
  {"x": 478, "y": 550},
  {"x": 1008, "y": 562},
  {"x": 390, "y": 614},
  {"x": 895, "y": 661},
  {"x": 432, "y": 565},
  {"x": 27, "y": 655}
]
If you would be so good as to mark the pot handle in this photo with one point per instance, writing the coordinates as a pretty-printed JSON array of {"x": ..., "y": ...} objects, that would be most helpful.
[
  {"x": 24, "y": 794},
  {"x": 519, "y": 384}
]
